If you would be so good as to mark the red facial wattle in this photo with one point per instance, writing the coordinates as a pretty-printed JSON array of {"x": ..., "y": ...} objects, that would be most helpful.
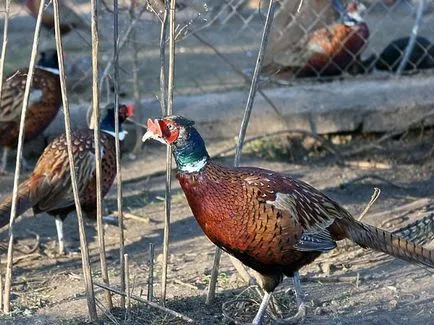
[{"x": 170, "y": 135}]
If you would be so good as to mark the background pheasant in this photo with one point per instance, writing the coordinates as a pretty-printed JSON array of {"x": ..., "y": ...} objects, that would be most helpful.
[
  {"x": 326, "y": 50},
  {"x": 49, "y": 188},
  {"x": 44, "y": 102},
  {"x": 271, "y": 222}
]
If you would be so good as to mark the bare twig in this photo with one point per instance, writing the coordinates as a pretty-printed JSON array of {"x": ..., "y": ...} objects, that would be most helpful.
[
  {"x": 106, "y": 311},
  {"x": 213, "y": 280},
  {"x": 163, "y": 33},
  {"x": 1, "y": 288},
  {"x": 149, "y": 303},
  {"x": 8, "y": 277},
  {"x": 98, "y": 166},
  {"x": 83, "y": 241},
  {"x": 115, "y": 61},
  {"x": 188, "y": 285},
  {"x": 136, "y": 89},
  {"x": 4, "y": 46},
  {"x": 170, "y": 88},
  {"x": 127, "y": 287},
  {"x": 151, "y": 272},
  {"x": 412, "y": 40},
  {"x": 324, "y": 142},
  {"x": 363, "y": 177},
  {"x": 374, "y": 198},
  {"x": 268, "y": 22}
]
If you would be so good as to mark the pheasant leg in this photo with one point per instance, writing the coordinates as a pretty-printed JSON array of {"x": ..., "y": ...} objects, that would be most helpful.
[
  {"x": 262, "y": 308},
  {"x": 301, "y": 305},
  {"x": 60, "y": 238}
]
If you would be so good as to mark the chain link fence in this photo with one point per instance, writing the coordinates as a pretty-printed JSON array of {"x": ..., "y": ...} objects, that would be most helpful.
[{"x": 218, "y": 40}]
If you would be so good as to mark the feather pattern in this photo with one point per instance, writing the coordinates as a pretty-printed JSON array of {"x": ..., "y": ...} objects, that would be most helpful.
[{"x": 44, "y": 103}]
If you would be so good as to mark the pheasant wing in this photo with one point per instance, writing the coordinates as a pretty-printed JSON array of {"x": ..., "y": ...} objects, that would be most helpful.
[
  {"x": 301, "y": 209},
  {"x": 55, "y": 190},
  {"x": 13, "y": 94}
]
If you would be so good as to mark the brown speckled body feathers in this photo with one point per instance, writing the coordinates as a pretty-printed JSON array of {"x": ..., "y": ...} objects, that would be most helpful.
[
  {"x": 276, "y": 224},
  {"x": 326, "y": 52},
  {"x": 49, "y": 188},
  {"x": 45, "y": 100}
]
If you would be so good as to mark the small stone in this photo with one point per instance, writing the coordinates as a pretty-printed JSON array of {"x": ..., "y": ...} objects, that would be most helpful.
[{"x": 391, "y": 305}]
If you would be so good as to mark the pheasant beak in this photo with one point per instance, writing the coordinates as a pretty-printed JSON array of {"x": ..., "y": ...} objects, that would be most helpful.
[
  {"x": 154, "y": 131},
  {"x": 130, "y": 110}
]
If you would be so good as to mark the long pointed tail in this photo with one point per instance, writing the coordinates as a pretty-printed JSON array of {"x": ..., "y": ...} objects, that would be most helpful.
[
  {"x": 23, "y": 203},
  {"x": 384, "y": 241},
  {"x": 421, "y": 231}
]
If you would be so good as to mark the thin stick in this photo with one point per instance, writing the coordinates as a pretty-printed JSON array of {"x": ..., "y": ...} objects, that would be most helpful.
[
  {"x": 213, "y": 280},
  {"x": 151, "y": 272},
  {"x": 117, "y": 145},
  {"x": 170, "y": 87},
  {"x": 412, "y": 40},
  {"x": 268, "y": 22},
  {"x": 127, "y": 287},
  {"x": 149, "y": 303},
  {"x": 163, "y": 33},
  {"x": 1, "y": 289},
  {"x": 83, "y": 241},
  {"x": 8, "y": 278},
  {"x": 5, "y": 45},
  {"x": 98, "y": 167},
  {"x": 374, "y": 198},
  {"x": 136, "y": 90}
]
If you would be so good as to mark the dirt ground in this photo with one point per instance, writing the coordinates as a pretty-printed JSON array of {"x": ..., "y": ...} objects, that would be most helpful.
[{"x": 48, "y": 289}]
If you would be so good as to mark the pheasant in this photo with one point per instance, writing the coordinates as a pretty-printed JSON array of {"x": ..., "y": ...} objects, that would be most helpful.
[
  {"x": 69, "y": 19},
  {"x": 421, "y": 57},
  {"x": 326, "y": 51},
  {"x": 49, "y": 189},
  {"x": 44, "y": 102},
  {"x": 269, "y": 221}
]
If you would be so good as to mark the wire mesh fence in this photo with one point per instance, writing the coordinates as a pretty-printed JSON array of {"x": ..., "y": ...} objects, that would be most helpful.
[{"x": 317, "y": 39}]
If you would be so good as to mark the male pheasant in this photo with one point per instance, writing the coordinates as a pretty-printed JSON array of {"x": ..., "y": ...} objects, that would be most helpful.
[
  {"x": 49, "y": 187},
  {"x": 271, "y": 222},
  {"x": 44, "y": 102},
  {"x": 326, "y": 51}
]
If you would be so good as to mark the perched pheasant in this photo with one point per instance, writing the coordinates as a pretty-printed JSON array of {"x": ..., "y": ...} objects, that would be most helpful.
[
  {"x": 44, "y": 102},
  {"x": 271, "y": 222},
  {"x": 326, "y": 51},
  {"x": 49, "y": 188},
  {"x": 421, "y": 57},
  {"x": 69, "y": 18}
]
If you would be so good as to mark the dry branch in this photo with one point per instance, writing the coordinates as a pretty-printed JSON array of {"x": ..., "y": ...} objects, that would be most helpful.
[
  {"x": 247, "y": 112},
  {"x": 127, "y": 287},
  {"x": 115, "y": 63},
  {"x": 4, "y": 46},
  {"x": 8, "y": 277},
  {"x": 97, "y": 141},
  {"x": 374, "y": 198},
  {"x": 169, "y": 111},
  {"x": 83, "y": 241},
  {"x": 149, "y": 303},
  {"x": 150, "y": 295}
]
